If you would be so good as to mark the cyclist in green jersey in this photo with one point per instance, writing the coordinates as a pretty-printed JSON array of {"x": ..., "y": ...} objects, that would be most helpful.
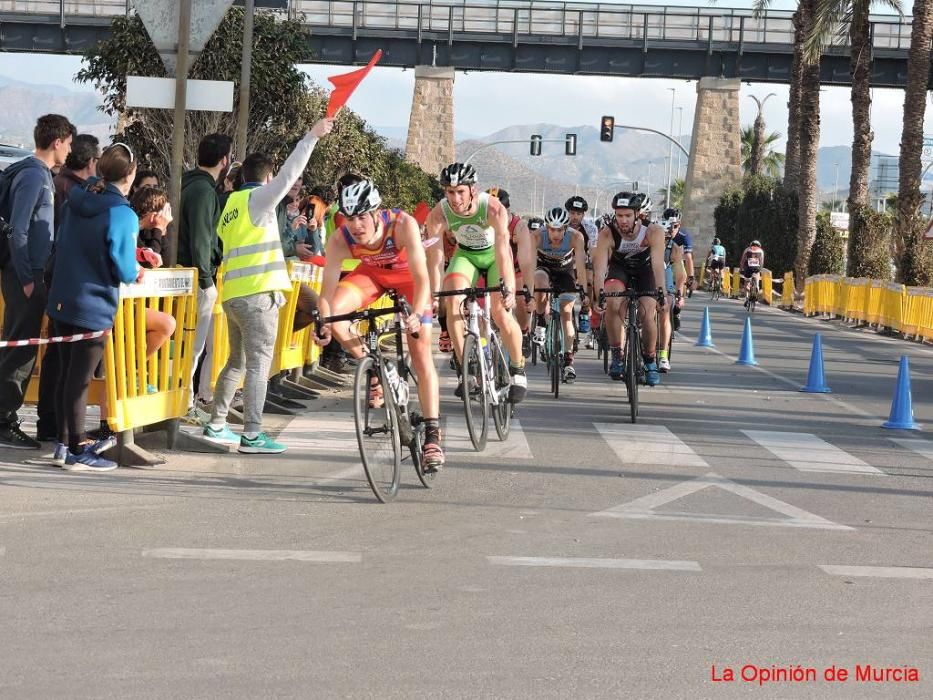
[{"x": 479, "y": 223}]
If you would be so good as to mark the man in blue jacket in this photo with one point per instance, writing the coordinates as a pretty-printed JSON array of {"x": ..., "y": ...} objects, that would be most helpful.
[{"x": 27, "y": 203}]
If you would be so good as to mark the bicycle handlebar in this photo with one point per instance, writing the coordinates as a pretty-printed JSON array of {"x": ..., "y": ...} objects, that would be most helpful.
[
  {"x": 632, "y": 294},
  {"x": 474, "y": 291},
  {"x": 402, "y": 306}
]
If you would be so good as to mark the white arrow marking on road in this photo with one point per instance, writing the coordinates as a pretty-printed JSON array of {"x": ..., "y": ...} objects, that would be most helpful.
[
  {"x": 921, "y": 447},
  {"x": 877, "y": 571},
  {"x": 255, "y": 555},
  {"x": 643, "y": 508},
  {"x": 584, "y": 563},
  {"x": 648, "y": 444},
  {"x": 808, "y": 453}
]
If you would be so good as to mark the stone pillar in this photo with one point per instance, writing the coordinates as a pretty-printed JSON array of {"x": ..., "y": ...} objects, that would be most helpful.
[
  {"x": 431, "y": 125},
  {"x": 715, "y": 162}
]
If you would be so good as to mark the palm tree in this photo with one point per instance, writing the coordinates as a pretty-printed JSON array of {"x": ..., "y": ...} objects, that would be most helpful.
[
  {"x": 677, "y": 193},
  {"x": 830, "y": 16},
  {"x": 909, "y": 233},
  {"x": 757, "y": 149},
  {"x": 771, "y": 161}
]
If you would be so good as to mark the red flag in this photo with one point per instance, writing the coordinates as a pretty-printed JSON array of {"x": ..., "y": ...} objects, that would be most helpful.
[
  {"x": 345, "y": 84},
  {"x": 421, "y": 213}
]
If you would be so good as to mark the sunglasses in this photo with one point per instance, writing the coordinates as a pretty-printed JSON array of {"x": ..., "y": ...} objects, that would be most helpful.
[{"x": 123, "y": 145}]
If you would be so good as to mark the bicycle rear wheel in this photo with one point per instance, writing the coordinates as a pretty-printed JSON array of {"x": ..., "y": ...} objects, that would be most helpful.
[
  {"x": 502, "y": 411},
  {"x": 377, "y": 432},
  {"x": 604, "y": 344},
  {"x": 633, "y": 350},
  {"x": 417, "y": 453},
  {"x": 475, "y": 405}
]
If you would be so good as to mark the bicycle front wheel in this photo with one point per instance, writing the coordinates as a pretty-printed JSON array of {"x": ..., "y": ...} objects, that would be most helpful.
[
  {"x": 604, "y": 344},
  {"x": 475, "y": 405},
  {"x": 631, "y": 370},
  {"x": 377, "y": 432},
  {"x": 501, "y": 411},
  {"x": 556, "y": 338}
]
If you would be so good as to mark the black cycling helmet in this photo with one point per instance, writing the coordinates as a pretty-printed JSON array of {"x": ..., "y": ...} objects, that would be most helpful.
[
  {"x": 359, "y": 198},
  {"x": 576, "y": 203},
  {"x": 457, "y": 174},
  {"x": 500, "y": 194},
  {"x": 534, "y": 223},
  {"x": 636, "y": 201},
  {"x": 671, "y": 213}
]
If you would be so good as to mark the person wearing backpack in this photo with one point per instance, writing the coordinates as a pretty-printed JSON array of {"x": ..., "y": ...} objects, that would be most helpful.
[{"x": 27, "y": 204}]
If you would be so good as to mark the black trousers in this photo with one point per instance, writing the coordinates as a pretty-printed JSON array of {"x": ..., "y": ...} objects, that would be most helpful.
[
  {"x": 22, "y": 319},
  {"x": 78, "y": 362},
  {"x": 48, "y": 390}
]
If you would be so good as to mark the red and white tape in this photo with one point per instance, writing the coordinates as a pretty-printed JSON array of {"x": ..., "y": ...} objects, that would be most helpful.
[{"x": 54, "y": 339}]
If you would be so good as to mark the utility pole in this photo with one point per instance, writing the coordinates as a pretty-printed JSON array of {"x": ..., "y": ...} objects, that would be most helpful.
[
  {"x": 178, "y": 133},
  {"x": 242, "y": 130},
  {"x": 670, "y": 151}
]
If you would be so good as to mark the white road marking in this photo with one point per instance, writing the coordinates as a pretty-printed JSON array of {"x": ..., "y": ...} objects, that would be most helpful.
[
  {"x": 457, "y": 440},
  {"x": 877, "y": 571},
  {"x": 255, "y": 555},
  {"x": 648, "y": 444},
  {"x": 808, "y": 453},
  {"x": 585, "y": 563},
  {"x": 70, "y": 511},
  {"x": 921, "y": 447},
  {"x": 643, "y": 508},
  {"x": 320, "y": 433}
]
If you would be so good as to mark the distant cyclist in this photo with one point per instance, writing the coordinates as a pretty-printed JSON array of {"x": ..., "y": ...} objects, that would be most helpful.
[{"x": 750, "y": 266}]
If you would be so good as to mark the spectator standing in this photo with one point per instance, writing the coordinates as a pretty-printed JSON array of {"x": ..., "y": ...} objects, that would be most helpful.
[
  {"x": 198, "y": 245},
  {"x": 254, "y": 278},
  {"x": 27, "y": 203},
  {"x": 97, "y": 251}
]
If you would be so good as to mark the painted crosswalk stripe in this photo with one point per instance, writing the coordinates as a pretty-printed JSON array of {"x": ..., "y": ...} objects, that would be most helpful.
[
  {"x": 587, "y": 563},
  {"x": 648, "y": 444},
  {"x": 878, "y": 571},
  {"x": 457, "y": 440},
  {"x": 808, "y": 453},
  {"x": 320, "y": 433},
  {"x": 255, "y": 555},
  {"x": 921, "y": 447}
]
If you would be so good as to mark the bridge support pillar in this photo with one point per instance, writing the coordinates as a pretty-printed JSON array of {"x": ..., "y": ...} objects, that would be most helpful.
[
  {"x": 715, "y": 162},
  {"x": 431, "y": 125}
]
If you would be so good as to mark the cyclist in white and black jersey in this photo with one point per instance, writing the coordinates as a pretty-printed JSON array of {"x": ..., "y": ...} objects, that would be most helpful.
[
  {"x": 560, "y": 261},
  {"x": 675, "y": 279},
  {"x": 630, "y": 255},
  {"x": 576, "y": 208}
]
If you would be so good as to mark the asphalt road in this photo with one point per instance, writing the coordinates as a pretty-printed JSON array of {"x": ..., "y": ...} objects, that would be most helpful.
[{"x": 739, "y": 524}]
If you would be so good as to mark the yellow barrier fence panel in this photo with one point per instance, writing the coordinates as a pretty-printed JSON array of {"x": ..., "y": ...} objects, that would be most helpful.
[
  {"x": 290, "y": 345},
  {"x": 873, "y": 306},
  {"x": 787, "y": 293},
  {"x": 726, "y": 278},
  {"x": 767, "y": 286},
  {"x": 925, "y": 315},
  {"x": 312, "y": 349},
  {"x": 736, "y": 283},
  {"x": 893, "y": 297}
]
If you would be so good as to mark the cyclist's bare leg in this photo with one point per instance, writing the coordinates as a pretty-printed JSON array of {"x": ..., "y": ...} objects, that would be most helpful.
[
  {"x": 508, "y": 328},
  {"x": 665, "y": 321},
  {"x": 346, "y": 300},
  {"x": 542, "y": 300},
  {"x": 616, "y": 309},
  {"x": 521, "y": 308},
  {"x": 455, "y": 321},
  {"x": 756, "y": 278},
  {"x": 423, "y": 362},
  {"x": 566, "y": 318},
  {"x": 649, "y": 329}
]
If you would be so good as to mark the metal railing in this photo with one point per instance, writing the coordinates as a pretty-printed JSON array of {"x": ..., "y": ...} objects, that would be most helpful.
[{"x": 509, "y": 20}]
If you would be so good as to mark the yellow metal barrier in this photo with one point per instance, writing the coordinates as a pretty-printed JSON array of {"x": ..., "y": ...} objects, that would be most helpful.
[
  {"x": 736, "y": 286},
  {"x": 726, "y": 278},
  {"x": 290, "y": 345},
  {"x": 893, "y": 299},
  {"x": 767, "y": 286},
  {"x": 787, "y": 292},
  {"x": 128, "y": 373},
  {"x": 918, "y": 320},
  {"x": 873, "y": 302}
]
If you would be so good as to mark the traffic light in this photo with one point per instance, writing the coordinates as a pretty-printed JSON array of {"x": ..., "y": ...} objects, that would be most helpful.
[
  {"x": 570, "y": 145},
  {"x": 607, "y": 129},
  {"x": 535, "y": 144}
]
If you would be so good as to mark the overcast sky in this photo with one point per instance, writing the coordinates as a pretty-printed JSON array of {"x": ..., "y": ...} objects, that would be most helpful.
[{"x": 385, "y": 99}]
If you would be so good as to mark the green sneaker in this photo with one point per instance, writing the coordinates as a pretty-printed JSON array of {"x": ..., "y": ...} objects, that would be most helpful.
[
  {"x": 224, "y": 436},
  {"x": 262, "y": 444}
]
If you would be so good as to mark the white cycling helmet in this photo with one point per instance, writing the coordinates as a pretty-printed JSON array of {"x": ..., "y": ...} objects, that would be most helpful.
[
  {"x": 556, "y": 218},
  {"x": 359, "y": 199}
]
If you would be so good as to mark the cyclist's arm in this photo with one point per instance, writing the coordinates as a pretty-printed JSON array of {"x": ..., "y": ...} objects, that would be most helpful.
[
  {"x": 527, "y": 255},
  {"x": 409, "y": 237},
  {"x": 601, "y": 259},
  {"x": 499, "y": 220},
  {"x": 436, "y": 227},
  {"x": 579, "y": 257},
  {"x": 742, "y": 259},
  {"x": 335, "y": 253},
  {"x": 656, "y": 241},
  {"x": 762, "y": 259},
  {"x": 677, "y": 265}
]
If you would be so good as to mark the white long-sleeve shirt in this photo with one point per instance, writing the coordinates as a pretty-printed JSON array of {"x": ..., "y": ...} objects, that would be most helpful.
[{"x": 264, "y": 200}]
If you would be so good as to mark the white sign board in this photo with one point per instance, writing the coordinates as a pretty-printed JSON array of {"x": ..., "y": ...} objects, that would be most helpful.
[
  {"x": 160, "y": 283},
  {"x": 159, "y": 93},
  {"x": 839, "y": 220},
  {"x": 926, "y": 155}
]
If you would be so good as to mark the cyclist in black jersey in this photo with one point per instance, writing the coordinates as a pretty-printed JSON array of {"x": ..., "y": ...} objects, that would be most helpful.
[{"x": 630, "y": 255}]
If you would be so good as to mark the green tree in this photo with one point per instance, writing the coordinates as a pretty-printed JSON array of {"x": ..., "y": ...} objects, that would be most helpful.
[
  {"x": 678, "y": 187},
  {"x": 771, "y": 161},
  {"x": 828, "y": 254},
  {"x": 284, "y": 102},
  {"x": 870, "y": 255}
]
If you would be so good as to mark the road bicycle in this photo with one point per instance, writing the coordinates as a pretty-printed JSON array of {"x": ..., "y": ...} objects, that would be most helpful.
[
  {"x": 555, "y": 346},
  {"x": 382, "y": 432},
  {"x": 484, "y": 367},
  {"x": 631, "y": 354}
]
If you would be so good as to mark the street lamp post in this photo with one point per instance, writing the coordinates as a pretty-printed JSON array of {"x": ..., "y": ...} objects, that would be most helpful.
[
  {"x": 680, "y": 132},
  {"x": 670, "y": 149},
  {"x": 836, "y": 187}
]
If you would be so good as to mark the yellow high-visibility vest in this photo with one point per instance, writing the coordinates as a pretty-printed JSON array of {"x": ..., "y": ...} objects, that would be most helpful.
[{"x": 253, "y": 258}]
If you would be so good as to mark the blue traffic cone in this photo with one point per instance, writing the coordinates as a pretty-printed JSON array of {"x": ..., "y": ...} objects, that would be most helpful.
[
  {"x": 902, "y": 412},
  {"x": 706, "y": 338},
  {"x": 816, "y": 382},
  {"x": 747, "y": 351}
]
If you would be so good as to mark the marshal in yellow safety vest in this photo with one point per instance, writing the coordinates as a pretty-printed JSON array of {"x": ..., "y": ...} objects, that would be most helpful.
[{"x": 253, "y": 258}]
